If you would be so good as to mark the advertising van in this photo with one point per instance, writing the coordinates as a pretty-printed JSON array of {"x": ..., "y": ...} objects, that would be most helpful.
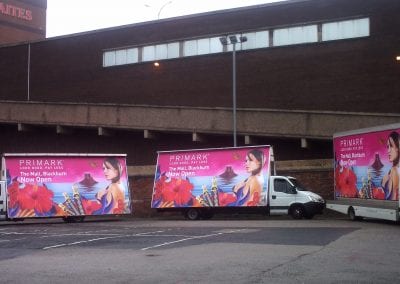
[
  {"x": 202, "y": 182},
  {"x": 367, "y": 173},
  {"x": 69, "y": 186}
]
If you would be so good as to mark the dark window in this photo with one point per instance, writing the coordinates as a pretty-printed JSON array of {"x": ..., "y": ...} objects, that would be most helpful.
[{"x": 282, "y": 185}]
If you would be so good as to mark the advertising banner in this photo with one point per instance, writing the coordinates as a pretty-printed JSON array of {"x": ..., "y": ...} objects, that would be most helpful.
[
  {"x": 56, "y": 186},
  {"x": 212, "y": 178},
  {"x": 367, "y": 165}
]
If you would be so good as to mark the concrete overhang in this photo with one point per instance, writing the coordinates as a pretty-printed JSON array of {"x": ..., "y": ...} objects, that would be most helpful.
[{"x": 199, "y": 120}]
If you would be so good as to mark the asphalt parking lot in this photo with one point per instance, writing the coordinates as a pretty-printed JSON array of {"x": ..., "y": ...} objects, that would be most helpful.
[{"x": 173, "y": 250}]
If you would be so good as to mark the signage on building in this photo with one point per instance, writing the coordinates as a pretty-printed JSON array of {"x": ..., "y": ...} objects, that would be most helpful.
[{"x": 15, "y": 11}]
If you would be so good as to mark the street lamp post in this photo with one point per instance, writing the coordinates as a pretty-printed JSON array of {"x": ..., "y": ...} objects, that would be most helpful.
[
  {"x": 161, "y": 8},
  {"x": 233, "y": 40}
]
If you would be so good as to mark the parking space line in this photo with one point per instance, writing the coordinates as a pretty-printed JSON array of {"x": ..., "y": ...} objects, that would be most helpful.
[
  {"x": 191, "y": 238},
  {"x": 81, "y": 234},
  {"x": 99, "y": 239}
]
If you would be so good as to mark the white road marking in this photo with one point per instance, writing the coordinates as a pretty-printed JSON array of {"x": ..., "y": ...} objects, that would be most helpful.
[
  {"x": 105, "y": 236},
  {"x": 99, "y": 239},
  {"x": 192, "y": 238}
]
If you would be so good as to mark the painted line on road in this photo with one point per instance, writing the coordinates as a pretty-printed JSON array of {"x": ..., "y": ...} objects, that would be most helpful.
[
  {"x": 100, "y": 239},
  {"x": 191, "y": 238},
  {"x": 71, "y": 234}
]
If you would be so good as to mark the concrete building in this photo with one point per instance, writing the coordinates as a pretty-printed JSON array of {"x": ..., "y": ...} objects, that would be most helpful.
[{"x": 308, "y": 69}]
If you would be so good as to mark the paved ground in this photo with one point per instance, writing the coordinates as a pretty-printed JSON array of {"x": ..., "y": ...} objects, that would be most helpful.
[{"x": 172, "y": 250}]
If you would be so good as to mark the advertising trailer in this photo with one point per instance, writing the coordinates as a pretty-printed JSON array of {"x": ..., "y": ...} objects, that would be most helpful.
[
  {"x": 202, "y": 182},
  {"x": 70, "y": 186},
  {"x": 366, "y": 177}
]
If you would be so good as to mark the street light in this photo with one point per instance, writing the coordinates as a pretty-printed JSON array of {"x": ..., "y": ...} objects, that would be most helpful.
[
  {"x": 225, "y": 41},
  {"x": 161, "y": 8}
]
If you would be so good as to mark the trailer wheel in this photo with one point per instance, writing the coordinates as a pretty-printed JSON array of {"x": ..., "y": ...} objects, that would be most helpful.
[
  {"x": 352, "y": 214},
  {"x": 297, "y": 212},
  {"x": 193, "y": 214}
]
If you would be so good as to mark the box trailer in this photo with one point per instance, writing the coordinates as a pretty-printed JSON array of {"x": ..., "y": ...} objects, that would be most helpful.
[
  {"x": 70, "y": 186},
  {"x": 366, "y": 173},
  {"x": 201, "y": 182}
]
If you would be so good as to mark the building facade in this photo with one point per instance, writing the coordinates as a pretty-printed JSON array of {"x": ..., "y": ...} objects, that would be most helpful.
[
  {"x": 309, "y": 68},
  {"x": 22, "y": 20}
]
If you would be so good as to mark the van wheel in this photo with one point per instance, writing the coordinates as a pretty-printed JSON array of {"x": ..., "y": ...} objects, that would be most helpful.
[
  {"x": 297, "y": 212},
  {"x": 352, "y": 215},
  {"x": 193, "y": 214}
]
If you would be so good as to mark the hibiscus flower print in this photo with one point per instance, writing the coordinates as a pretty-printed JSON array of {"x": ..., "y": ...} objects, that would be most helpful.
[
  {"x": 13, "y": 193},
  {"x": 90, "y": 206},
  {"x": 174, "y": 190},
  {"x": 38, "y": 198},
  {"x": 346, "y": 182}
]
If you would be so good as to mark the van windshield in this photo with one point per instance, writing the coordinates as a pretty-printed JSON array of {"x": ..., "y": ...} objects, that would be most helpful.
[{"x": 298, "y": 185}]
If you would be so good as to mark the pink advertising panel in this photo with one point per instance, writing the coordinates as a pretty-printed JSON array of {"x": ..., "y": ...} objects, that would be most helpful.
[
  {"x": 212, "y": 178},
  {"x": 57, "y": 185},
  {"x": 367, "y": 165}
]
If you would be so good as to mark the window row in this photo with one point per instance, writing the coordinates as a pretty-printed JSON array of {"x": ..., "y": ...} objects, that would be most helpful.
[{"x": 259, "y": 39}]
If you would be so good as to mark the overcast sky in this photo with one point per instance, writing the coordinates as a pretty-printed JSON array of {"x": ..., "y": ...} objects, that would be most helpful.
[{"x": 74, "y": 16}]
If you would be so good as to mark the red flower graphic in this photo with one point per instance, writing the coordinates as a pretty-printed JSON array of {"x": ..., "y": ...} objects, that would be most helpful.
[
  {"x": 89, "y": 206},
  {"x": 255, "y": 201},
  {"x": 174, "y": 190},
  {"x": 36, "y": 197},
  {"x": 120, "y": 208},
  {"x": 225, "y": 198},
  {"x": 13, "y": 194},
  {"x": 157, "y": 194},
  {"x": 346, "y": 181},
  {"x": 378, "y": 193}
]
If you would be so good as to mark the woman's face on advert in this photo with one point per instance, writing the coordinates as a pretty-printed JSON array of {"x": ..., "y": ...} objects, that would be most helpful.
[
  {"x": 109, "y": 171},
  {"x": 393, "y": 151},
  {"x": 252, "y": 164}
]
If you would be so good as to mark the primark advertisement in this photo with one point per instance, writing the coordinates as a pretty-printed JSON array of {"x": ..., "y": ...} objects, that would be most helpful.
[
  {"x": 212, "y": 178},
  {"x": 367, "y": 165},
  {"x": 58, "y": 186}
]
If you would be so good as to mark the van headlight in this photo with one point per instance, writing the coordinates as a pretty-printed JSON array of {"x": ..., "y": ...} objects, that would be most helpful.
[{"x": 316, "y": 199}]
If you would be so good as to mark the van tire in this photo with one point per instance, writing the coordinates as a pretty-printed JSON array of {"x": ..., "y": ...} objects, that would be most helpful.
[
  {"x": 297, "y": 212},
  {"x": 352, "y": 215},
  {"x": 192, "y": 214}
]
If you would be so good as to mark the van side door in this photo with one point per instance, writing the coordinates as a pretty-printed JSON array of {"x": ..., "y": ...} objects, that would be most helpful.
[{"x": 283, "y": 194}]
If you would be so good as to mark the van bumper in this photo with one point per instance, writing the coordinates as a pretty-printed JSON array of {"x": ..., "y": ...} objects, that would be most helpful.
[{"x": 313, "y": 208}]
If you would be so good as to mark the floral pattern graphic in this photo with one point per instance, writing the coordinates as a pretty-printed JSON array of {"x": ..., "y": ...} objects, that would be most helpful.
[
  {"x": 28, "y": 200},
  {"x": 58, "y": 186},
  {"x": 346, "y": 182},
  {"x": 212, "y": 178},
  {"x": 172, "y": 192}
]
